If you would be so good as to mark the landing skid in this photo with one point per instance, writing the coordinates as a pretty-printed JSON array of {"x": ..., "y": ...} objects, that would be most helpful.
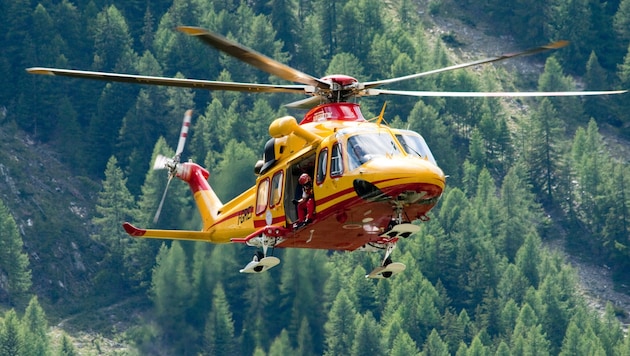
[
  {"x": 386, "y": 271},
  {"x": 389, "y": 239},
  {"x": 256, "y": 266},
  {"x": 402, "y": 230}
]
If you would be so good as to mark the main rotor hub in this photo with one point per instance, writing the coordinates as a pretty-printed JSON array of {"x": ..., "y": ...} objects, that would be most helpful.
[
  {"x": 342, "y": 80},
  {"x": 342, "y": 87}
]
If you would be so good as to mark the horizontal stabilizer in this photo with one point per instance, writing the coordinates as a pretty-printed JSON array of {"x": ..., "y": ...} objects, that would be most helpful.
[{"x": 168, "y": 234}]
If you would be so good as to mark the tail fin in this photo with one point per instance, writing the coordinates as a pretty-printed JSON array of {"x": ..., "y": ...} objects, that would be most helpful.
[
  {"x": 207, "y": 201},
  {"x": 196, "y": 176}
]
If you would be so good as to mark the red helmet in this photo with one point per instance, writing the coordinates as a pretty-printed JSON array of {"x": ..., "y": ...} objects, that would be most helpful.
[{"x": 304, "y": 178}]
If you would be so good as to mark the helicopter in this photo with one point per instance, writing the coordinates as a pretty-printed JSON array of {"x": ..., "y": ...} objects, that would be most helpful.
[{"x": 333, "y": 181}]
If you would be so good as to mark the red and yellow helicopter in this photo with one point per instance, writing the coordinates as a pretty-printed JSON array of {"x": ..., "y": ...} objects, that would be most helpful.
[{"x": 361, "y": 183}]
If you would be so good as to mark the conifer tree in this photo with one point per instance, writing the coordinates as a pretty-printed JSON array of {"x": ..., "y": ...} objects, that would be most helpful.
[
  {"x": 304, "y": 339},
  {"x": 281, "y": 345},
  {"x": 114, "y": 206},
  {"x": 366, "y": 340},
  {"x": 14, "y": 264},
  {"x": 67, "y": 348},
  {"x": 11, "y": 342},
  {"x": 433, "y": 346},
  {"x": 219, "y": 331},
  {"x": 596, "y": 78},
  {"x": 528, "y": 259},
  {"x": 111, "y": 37},
  {"x": 609, "y": 330},
  {"x": 259, "y": 297},
  {"x": 35, "y": 330},
  {"x": 571, "y": 342},
  {"x": 567, "y": 108},
  {"x": 621, "y": 20},
  {"x": 340, "y": 326},
  {"x": 542, "y": 152},
  {"x": 171, "y": 295}
]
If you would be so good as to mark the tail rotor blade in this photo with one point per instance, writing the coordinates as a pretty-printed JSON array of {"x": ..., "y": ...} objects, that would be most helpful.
[
  {"x": 172, "y": 164},
  {"x": 161, "y": 162},
  {"x": 157, "y": 213},
  {"x": 183, "y": 133}
]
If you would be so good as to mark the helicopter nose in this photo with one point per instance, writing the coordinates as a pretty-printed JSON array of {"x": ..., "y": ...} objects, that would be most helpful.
[{"x": 385, "y": 178}]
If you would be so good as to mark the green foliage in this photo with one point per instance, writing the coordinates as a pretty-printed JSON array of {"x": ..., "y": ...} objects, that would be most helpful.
[
  {"x": 66, "y": 348},
  {"x": 340, "y": 326},
  {"x": 219, "y": 338},
  {"x": 477, "y": 280},
  {"x": 14, "y": 265},
  {"x": 171, "y": 293},
  {"x": 11, "y": 341},
  {"x": 35, "y": 330}
]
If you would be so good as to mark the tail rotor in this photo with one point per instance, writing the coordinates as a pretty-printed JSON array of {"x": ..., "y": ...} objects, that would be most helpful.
[{"x": 172, "y": 164}]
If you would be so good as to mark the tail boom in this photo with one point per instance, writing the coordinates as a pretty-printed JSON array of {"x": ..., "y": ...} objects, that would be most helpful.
[
  {"x": 169, "y": 234},
  {"x": 207, "y": 202}
]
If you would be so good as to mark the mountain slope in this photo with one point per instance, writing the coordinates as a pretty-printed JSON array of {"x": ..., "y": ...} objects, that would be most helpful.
[{"x": 52, "y": 209}]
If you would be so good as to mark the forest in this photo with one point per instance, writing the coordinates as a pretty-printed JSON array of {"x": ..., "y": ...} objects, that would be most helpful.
[{"x": 478, "y": 281}]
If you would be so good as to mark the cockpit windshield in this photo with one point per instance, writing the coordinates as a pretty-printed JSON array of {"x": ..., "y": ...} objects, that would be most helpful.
[
  {"x": 414, "y": 144},
  {"x": 365, "y": 146}
]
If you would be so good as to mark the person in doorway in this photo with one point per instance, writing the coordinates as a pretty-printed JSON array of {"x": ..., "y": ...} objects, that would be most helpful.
[{"x": 306, "y": 204}]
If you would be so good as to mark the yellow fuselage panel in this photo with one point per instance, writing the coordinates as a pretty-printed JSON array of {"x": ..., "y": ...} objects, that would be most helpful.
[{"x": 234, "y": 219}]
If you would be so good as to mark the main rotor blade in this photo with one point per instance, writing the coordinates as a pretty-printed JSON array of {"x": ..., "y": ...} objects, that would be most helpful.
[
  {"x": 307, "y": 103},
  {"x": 461, "y": 94},
  {"x": 550, "y": 46},
  {"x": 173, "y": 82},
  {"x": 252, "y": 57}
]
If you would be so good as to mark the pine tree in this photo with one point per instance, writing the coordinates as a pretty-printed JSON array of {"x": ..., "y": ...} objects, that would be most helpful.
[
  {"x": 528, "y": 259},
  {"x": 520, "y": 210},
  {"x": 609, "y": 330},
  {"x": 340, "y": 326},
  {"x": 67, "y": 348},
  {"x": 542, "y": 151},
  {"x": 11, "y": 342},
  {"x": 171, "y": 295},
  {"x": 111, "y": 38},
  {"x": 567, "y": 108},
  {"x": 366, "y": 340},
  {"x": 281, "y": 345},
  {"x": 304, "y": 339},
  {"x": 114, "y": 206},
  {"x": 434, "y": 345},
  {"x": 14, "y": 262},
  {"x": 219, "y": 332},
  {"x": 259, "y": 297},
  {"x": 596, "y": 79},
  {"x": 35, "y": 330},
  {"x": 621, "y": 20}
]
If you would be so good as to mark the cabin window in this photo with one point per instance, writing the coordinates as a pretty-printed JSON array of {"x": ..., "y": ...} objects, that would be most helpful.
[
  {"x": 414, "y": 144},
  {"x": 322, "y": 165},
  {"x": 262, "y": 197},
  {"x": 276, "y": 188},
  {"x": 336, "y": 161},
  {"x": 366, "y": 146}
]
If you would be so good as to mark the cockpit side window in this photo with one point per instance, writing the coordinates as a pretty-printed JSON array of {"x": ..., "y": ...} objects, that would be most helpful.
[
  {"x": 336, "y": 161},
  {"x": 322, "y": 165},
  {"x": 414, "y": 144},
  {"x": 262, "y": 197}
]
